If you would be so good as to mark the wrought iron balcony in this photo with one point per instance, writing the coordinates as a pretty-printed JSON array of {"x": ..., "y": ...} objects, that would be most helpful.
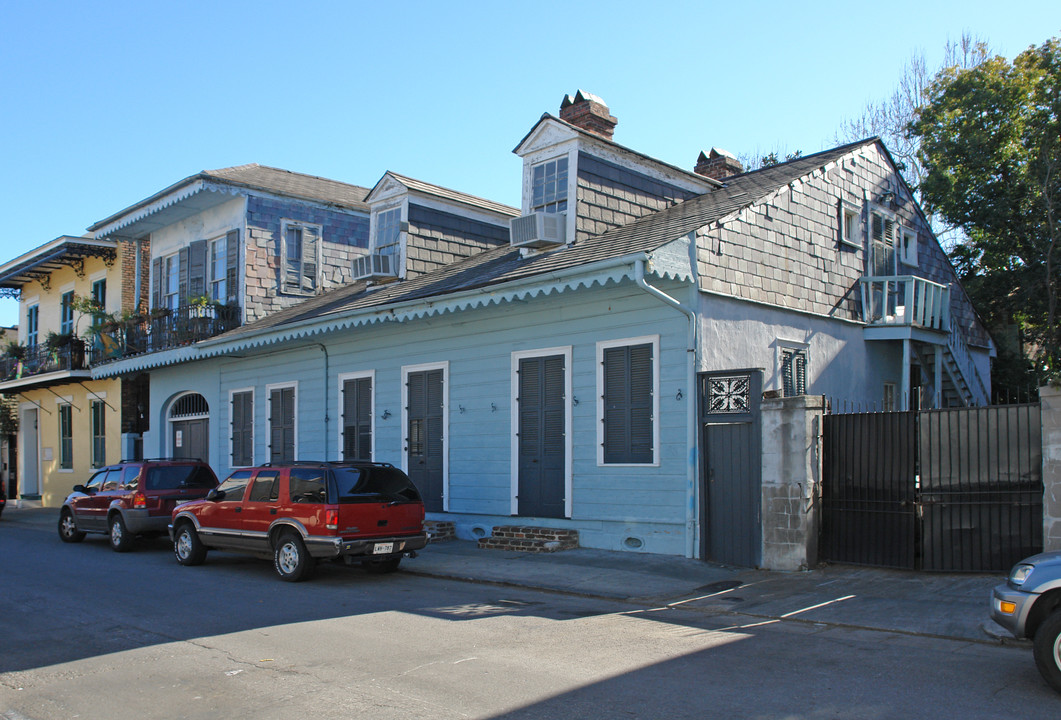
[
  {"x": 165, "y": 329},
  {"x": 905, "y": 300},
  {"x": 41, "y": 359}
]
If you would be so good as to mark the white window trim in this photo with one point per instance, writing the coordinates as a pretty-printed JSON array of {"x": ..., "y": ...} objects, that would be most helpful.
[
  {"x": 23, "y": 330},
  {"x": 894, "y": 404},
  {"x": 209, "y": 279},
  {"x": 285, "y": 223},
  {"x": 868, "y": 236},
  {"x": 906, "y": 257},
  {"x": 546, "y": 155},
  {"x": 858, "y": 233},
  {"x": 269, "y": 409},
  {"x": 601, "y": 347},
  {"x": 794, "y": 345},
  {"x": 564, "y": 350},
  {"x": 163, "y": 278},
  {"x": 342, "y": 378},
  {"x": 58, "y": 460},
  {"x": 406, "y": 371},
  {"x": 254, "y": 413},
  {"x": 403, "y": 232}
]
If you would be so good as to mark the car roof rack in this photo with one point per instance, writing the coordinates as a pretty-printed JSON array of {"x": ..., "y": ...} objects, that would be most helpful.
[
  {"x": 328, "y": 463},
  {"x": 159, "y": 459}
]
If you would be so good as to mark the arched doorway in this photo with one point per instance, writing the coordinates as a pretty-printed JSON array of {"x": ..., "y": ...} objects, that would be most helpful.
[{"x": 189, "y": 420}]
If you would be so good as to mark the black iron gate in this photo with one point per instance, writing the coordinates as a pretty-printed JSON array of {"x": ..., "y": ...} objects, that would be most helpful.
[{"x": 953, "y": 490}]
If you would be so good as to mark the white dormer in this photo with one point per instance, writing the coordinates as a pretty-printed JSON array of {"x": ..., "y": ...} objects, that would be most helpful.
[{"x": 388, "y": 224}]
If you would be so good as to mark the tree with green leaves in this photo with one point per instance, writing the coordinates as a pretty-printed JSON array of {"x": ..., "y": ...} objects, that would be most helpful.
[{"x": 990, "y": 147}]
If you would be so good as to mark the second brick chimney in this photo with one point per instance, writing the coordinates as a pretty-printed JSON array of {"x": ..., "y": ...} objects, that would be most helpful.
[
  {"x": 590, "y": 113},
  {"x": 717, "y": 164}
]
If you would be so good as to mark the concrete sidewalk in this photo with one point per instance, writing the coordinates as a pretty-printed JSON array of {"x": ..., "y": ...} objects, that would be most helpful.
[{"x": 938, "y": 605}]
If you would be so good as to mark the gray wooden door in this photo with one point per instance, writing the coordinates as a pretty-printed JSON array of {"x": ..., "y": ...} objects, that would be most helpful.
[
  {"x": 357, "y": 419},
  {"x": 190, "y": 439},
  {"x": 731, "y": 482},
  {"x": 541, "y": 437},
  {"x": 282, "y": 425},
  {"x": 423, "y": 438}
]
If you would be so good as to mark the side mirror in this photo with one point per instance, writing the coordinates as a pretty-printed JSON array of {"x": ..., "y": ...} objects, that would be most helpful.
[
  {"x": 214, "y": 495},
  {"x": 81, "y": 489}
]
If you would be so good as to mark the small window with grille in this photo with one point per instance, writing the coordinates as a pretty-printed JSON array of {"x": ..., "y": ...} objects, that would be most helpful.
[{"x": 793, "y": 371}]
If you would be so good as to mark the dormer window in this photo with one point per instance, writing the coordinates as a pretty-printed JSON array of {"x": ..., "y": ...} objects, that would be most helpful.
[
  {"x": 549, "y": 186},
  {"x": 301, "y": 257},
  {"x": 389, "y": 233}
]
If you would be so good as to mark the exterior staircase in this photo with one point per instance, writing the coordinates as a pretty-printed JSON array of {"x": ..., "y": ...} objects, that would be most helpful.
[{"x": 529, "y": 539}]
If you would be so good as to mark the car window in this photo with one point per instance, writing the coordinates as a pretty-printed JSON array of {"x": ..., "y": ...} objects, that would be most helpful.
[
  {"x": 307, "y": 485},
  {"x": 110, "y": 482},
  {"x": 372, "y": 484},
  {"x": 234, "y": 486},
  {"x": 266, "y": 487},
  {"x": 130, "y": 477},
  {"x": 96, "y": 481},
  {"x": 173, "y": 477}
]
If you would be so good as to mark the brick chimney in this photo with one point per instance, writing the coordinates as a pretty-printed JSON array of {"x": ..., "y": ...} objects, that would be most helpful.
[
  {"x": 590, "y": 113},
  {"x": 717, "y": 164}
]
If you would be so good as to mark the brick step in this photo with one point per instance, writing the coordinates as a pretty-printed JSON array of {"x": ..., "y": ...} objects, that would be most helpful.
[
  {"x": 440, "y": 530},
  {"x": 529, "y": 539}
]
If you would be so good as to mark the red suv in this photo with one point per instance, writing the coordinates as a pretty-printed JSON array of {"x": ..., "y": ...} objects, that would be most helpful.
[
  {"x": 134, "y": 497},
  {"x": 298, "y": 513}
]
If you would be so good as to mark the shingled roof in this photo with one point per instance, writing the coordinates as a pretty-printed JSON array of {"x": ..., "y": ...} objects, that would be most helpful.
[
  {"x": 265, "y": 179},
  {"x": 445, "y": 193},
  {"x": 505, "y": 264}
]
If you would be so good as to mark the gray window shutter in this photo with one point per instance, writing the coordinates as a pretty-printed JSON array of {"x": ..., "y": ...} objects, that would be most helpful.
[
  {"x": 156, "y": 282},
  {"x": 242, "y": 428},
  {"x": 232, "y": 268},
  {"x": 197, "y": 268},
  {"x": 628, "y": 404},
  {"x": 182, "y": 274},
  {"x": 310, "y": 252}
]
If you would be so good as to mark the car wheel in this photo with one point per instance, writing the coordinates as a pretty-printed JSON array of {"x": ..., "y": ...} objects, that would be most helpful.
[
  {"x": 68, "y": 531},
  {"x": 187, "y": 546},
  {"x": 121, "y": 540},
  {"x": 290, "y": 558},
  {"x": 1048, "y": 650},
  {"x": 382, "y": 567}
]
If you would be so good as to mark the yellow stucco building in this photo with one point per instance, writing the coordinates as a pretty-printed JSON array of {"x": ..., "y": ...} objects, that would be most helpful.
[{"x": 68, "y": 423}]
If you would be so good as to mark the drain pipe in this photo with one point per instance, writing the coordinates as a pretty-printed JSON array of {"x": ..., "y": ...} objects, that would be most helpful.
[
  {"x": 690, "y": 410},
  {"x": 327, "y": 430}
]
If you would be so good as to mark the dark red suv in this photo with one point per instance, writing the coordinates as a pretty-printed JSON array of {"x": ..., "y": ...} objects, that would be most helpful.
[
  {"x": 358, "y": 511},
  {"x": 134, "y": 497}
]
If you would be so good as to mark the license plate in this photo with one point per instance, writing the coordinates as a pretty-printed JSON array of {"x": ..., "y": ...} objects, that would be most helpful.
[{"x": 383, "y": 548}]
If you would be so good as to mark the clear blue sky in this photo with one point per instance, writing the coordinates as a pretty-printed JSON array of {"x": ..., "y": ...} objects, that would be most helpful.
[{"x": 104, "y": 104}]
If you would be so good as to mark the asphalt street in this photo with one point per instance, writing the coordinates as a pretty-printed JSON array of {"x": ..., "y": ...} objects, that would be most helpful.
[{"x": 88, "y": 633}]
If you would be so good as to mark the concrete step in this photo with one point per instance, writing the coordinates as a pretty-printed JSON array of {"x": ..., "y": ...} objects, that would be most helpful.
[{"x": 529, "y": 539}]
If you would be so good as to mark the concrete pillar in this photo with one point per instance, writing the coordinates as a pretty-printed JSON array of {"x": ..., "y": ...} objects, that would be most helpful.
[
  {"x": 791, "y": 486},
  {"x": 1050, "y": 400}
]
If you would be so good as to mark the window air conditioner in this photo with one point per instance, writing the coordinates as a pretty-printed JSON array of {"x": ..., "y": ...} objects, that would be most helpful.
[
  {"x": 538, "y": 230},
  {"x": 375, "y": 266}
]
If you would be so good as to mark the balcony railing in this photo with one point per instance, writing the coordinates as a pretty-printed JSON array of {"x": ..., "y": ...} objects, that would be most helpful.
[
  {"x": 162, "y": 330},
  {"x": 905, "y": 300},
  {"x": 41, "y": 359}
]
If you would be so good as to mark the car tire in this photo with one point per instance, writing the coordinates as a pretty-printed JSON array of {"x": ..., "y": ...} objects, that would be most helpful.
[
  {"x": 120, "y": 538},
  {"x": 381, "y": 567},
  {"x": 1048, "y": 650},
  {"x": 187, "y": 547},
  {"x": 290, "y": 558},
  {"x": 68, "y": 531}
]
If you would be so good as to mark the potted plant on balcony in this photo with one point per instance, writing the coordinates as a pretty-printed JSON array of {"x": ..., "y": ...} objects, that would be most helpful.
[
  {"x": 65, "y": 351},
  {"x": 13, "y": 360}
]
